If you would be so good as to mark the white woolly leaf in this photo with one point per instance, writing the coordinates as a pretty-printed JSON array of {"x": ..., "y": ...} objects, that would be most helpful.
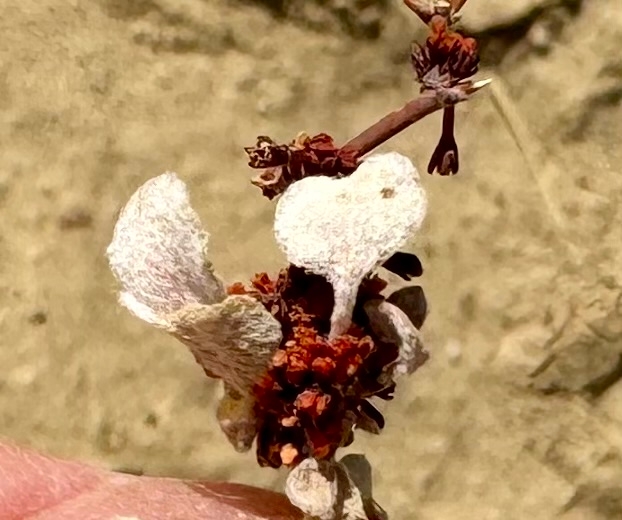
[
  {"x": 234, "y": 340},
  {"x": 158, "y": 252},
  {"x": 343, "y": 228}
]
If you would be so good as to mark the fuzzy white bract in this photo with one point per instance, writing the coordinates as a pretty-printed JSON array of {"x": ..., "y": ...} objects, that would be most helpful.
[
  {"x": 343, "y": 228},
  {"x": 158, "y": 255},
  {"x": 158, "y": 252}
]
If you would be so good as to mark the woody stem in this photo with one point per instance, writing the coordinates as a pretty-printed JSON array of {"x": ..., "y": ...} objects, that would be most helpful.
[{"x": 392, "y": 124}]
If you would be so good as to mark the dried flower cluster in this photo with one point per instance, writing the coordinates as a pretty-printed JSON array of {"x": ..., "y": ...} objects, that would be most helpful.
[
  {"x": 299, "y": 354},
  {"x": 317, "y": 389},
  {"x": 303, "y": 157},
  {"x": 446, "y": 58}
]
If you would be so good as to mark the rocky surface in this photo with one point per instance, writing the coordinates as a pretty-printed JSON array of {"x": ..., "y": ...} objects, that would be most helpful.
[{"x": 519, "y": 412}]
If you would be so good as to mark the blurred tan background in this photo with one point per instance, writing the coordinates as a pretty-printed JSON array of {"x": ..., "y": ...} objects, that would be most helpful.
[{"x": 519, "y": 412}]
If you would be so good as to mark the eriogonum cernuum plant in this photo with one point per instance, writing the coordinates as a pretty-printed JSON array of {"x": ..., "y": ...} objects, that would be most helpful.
[{"x": 303, "y": 353}]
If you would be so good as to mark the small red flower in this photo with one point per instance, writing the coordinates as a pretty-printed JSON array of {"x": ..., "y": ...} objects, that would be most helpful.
[{"x": 312, "y": 402}]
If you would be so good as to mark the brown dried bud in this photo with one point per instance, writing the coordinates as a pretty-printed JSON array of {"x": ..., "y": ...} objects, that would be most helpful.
[
  {"x": 446, "y": 58},
  {"x": 304, "y": 157},
  {"x": 266, "y": 153}
]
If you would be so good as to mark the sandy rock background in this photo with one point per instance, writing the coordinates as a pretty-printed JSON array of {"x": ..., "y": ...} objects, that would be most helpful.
[{"x": 519, "y": 412}]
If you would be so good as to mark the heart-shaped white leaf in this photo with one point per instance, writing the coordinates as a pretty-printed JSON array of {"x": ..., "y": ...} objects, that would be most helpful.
[{"x": 343, "y": 228}]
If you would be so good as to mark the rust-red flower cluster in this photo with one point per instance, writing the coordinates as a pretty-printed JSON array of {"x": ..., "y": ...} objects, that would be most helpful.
[
  {"x": 446, "y": 58},
  {"x": 305, "y": 156},
  {"x": 316, "y": 391}
]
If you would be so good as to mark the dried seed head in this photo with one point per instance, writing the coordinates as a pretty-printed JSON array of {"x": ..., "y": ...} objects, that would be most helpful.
[
  {"x": 311, "y": 398},
  {"x": 266, "y": 153},
  {"x": 343, "y": 228},
  {"x": 158, "y": 255}
]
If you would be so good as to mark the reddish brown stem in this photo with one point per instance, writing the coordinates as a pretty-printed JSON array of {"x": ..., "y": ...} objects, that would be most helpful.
[
  {"x": 449, "y": 118},
  {"x": 391, "y": 125}
]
